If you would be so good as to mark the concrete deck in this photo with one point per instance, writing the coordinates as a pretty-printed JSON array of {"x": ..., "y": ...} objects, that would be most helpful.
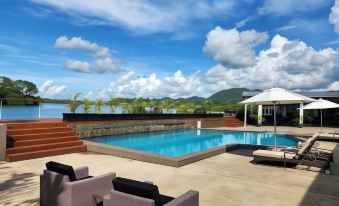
[{"x": 225, "y": 179}]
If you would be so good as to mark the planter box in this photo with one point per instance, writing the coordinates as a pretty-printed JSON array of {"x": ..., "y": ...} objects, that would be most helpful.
[{"x": 79, "y": 117}]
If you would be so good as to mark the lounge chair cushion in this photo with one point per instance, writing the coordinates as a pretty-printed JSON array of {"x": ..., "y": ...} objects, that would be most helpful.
[
  {"x": 274, "y": 154},
  {"x": 140, "y": 189},
  {"x": 62, "y": 169}
]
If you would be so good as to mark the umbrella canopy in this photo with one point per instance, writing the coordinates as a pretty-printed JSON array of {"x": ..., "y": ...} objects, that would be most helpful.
[
  {"x": 321, "y": 104},
  {"x": 277, "y": 95}
]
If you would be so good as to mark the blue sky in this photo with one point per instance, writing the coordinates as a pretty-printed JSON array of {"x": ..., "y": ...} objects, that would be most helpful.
[{"x": 169, "y": 48}]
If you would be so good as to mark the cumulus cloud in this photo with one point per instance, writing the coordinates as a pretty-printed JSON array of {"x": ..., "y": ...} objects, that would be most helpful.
[
  {"x": 289, "y": 7},
  {"x": 78, "y": 66},
  {"x": 233, "y": 48},
  {"x": 175, "y": 85},
  {"x": 104, "y": 61},
  {"x": 144, "y": 16},
  {"x": 334, "y": 86},
  {"x": 334, "y": 16},
  {"x": 49, "y": 89},
  {"x": 288, "y": 64}
]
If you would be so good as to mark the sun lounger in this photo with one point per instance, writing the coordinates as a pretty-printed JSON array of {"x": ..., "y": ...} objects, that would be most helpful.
[
  {"x": 304, "y": 156},
  {"x": 329, "y": 136},
  {"x": 128, "y": 192},
  {"x": 61, "y": 185}
]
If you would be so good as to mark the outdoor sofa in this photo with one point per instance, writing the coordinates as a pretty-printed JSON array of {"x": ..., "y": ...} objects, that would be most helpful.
[
  {"x": 61, "y": 185},
  {"x": 304, "y": 155},
  {"x": 128, "y": 192}
]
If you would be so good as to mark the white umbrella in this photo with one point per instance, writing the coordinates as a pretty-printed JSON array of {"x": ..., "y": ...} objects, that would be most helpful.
[
  {"x": 321, "y": 104},
  {"x": 277, "y": 96}
]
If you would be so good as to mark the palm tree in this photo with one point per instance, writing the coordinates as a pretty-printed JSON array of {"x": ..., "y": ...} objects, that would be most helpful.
[
  {"x": 73, "y": 104},
  {"x": 98, "y": 104},
  {"x": 113, "y": 104},
  {"x": 168, "y": 105},
  {"x": 86, "y": 105}
]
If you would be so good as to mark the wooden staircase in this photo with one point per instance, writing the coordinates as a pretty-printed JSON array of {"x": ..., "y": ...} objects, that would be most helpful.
[
  {"x": 231, "y": 121},
  {"x": 35, "y": 140}
]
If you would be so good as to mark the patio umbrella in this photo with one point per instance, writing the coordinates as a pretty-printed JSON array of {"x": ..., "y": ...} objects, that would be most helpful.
[
  {"x": 277, "y": 96},
  {"x": 321, "y": 104}
]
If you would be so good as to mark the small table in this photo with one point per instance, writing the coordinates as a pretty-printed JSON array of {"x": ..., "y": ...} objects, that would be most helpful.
[{"x": 98, "y": 198}]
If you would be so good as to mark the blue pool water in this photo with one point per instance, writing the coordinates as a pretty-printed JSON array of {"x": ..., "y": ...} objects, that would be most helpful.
[{"x": 180, "y": 142}]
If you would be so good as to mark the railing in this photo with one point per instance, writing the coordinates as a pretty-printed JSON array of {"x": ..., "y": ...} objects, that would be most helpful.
[{"x": 19, "y": 99}]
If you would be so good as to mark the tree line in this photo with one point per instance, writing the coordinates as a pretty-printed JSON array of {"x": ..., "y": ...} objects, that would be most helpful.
[
  {"x": 11, "y": 90},
  {"x": 155, "y": 106}
]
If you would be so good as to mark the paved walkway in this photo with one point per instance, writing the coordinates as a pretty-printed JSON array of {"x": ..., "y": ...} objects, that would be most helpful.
[{"x": 226, "y": 179}]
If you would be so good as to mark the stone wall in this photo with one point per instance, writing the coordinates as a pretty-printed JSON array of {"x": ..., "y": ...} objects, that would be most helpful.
[{"x": 87, "y": 130}]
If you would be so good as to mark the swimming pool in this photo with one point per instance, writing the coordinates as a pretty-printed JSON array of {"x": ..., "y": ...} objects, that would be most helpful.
[{"x": 175, "y": 143}]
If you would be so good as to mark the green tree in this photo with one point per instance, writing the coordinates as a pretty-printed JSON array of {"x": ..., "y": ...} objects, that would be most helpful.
[
  {"x": 73, "y": 104},
  {"x": 113, "y": 104},
  {"x": 168, "y": 105},
  {"x": 86, "y": 105},
  {"x": 98, "y": 105},
  {"x": 26, "y": 88}
]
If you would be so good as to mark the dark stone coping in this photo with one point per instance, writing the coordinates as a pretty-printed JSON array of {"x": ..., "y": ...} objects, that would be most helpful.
[{"x": 167, "y": 160}]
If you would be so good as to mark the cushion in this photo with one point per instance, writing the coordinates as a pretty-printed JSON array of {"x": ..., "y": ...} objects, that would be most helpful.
[
  {"x": 62, "y": 169},
  {"x": 140, "y": 189},
  {"x": 274, "y": 154}
]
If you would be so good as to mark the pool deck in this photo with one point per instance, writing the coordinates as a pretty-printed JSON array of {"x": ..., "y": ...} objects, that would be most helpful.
[{"x": 224, "y": 179}]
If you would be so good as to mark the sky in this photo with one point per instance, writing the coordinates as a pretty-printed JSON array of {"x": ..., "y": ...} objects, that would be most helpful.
[{"x": 175, "y": 48}]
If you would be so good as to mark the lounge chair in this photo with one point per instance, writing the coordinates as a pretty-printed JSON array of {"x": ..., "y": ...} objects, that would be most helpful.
[
  {"x": 128, "y": 192},
  {"x": 61, "y": 185},
  {"x": 329, "y": 136},
  {"x": 305, "y": 156}
]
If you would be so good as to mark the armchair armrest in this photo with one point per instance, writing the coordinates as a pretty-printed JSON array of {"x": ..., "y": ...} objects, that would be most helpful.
[
  {"x": 83, "y": 190},
  {"x": 189, "y": 198},
  {"x": 81, "y": 172},
  {"x": 117, "y": 198}
]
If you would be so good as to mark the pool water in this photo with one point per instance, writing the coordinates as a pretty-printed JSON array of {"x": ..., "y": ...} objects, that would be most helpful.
[{"x": 180, "y": 142}]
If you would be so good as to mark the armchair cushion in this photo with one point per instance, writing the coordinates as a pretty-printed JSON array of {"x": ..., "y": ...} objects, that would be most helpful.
[{"x": 140, "y": 189}]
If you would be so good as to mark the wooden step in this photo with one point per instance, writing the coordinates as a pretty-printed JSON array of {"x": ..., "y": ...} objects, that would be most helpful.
[
  {"x": 44, "y": 141},
  {"x": 37, "y": 130},
  {"x": 45, "y": 153},
  {"x": 36, "y": 125},
  {"x": 40, "y": 147},
  {"x": 21, "y": 137}
]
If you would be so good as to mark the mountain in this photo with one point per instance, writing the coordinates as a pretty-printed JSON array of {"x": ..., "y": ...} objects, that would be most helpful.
[
  {"x": 193, "y": 99},
  {"x": 233, "y": 95}
]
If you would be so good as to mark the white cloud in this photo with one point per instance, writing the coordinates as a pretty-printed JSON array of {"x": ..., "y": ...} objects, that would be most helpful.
[
  {"x": 288, "y": 64},
  {"x": 78, "y": 66},
  {"x": 48, "y": 89},
  {"x": 144, "y": 16},
  {"x": 334, "y": 86},
  {"x": 176, "y": 85},
  {"x": 233, "y": 48},
  {"x": 106, "y": 64},
  {"x": 334, "y": 16},
  {"x": 104, "y": 60},
  {"x": 290, "y": 7},
  {"x": 63, "y": 42}
]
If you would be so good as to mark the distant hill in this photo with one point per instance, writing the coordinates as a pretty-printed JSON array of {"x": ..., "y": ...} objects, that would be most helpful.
[
  {"x": 229, "y": 95},
  {"x": 193, "y": 99}
]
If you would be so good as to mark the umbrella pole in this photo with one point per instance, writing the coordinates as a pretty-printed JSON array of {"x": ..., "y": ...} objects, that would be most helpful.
[
  {"x": 275, "y": 126},
  {"x": 321, "y": 120}
]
